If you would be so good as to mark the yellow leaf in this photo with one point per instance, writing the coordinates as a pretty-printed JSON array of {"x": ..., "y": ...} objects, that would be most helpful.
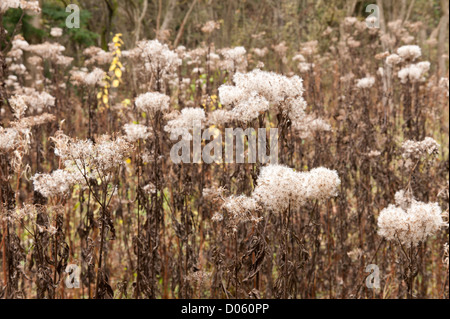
[
  {"x": 105, "y": 99},
  {"x": 115, "y": 83},
  {"x": 118, "y": 73},
  {"x": 128, "y": 160},
  {"x": 99, "y": 95}
]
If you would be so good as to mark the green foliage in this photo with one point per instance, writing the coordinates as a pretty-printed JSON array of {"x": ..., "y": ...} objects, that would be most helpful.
[
  {"x": 55, "y": 15},
  {"x": 12, "y": 18}
]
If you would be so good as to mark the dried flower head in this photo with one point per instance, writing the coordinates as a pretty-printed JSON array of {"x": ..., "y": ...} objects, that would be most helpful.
[
  {"x": 235, "y": 59},
  {"x": 152, "y": 102},
  {"x": 238, "y": 209},
  {"x": 416, "y": 150},
  {"x": 135, "y": 132},
  {"x": 210, "y": 26},
  {"x": 58, "y": 183},
  {"x": 250, "y": 108},
  {"x": 414, "y": 72},
  {"x": 94, "y": 78},
  {"x": 409, "y": 52},
  {"x": 393, "y": 59},
  {"x": 365, "y": 83},
  {"x": 410, "y": 224},
  {"x": 280, "y": 187},
  {"x": 56, "y": 32},
  {"x": 185, "y": 122}
]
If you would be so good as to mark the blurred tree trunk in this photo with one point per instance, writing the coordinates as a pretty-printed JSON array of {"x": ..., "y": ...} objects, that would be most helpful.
[
  {"x": 168, "y": 17},
  {"x": 186, "y": 17},
  {"x": 139, "y": 20},
  {"x": 349, "y": 10},
  {"x": 111, "y": 6},
  {"x": 382, "y": 19},
  {"x": 36, "y": 22},
  {"x": 443, "y": 38}
]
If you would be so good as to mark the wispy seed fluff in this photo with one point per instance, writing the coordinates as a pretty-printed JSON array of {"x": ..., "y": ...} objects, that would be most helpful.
[
  {"x": 279, "y": 186},
  {"x": 415, "y": 150},
  {"x": 158, "y": 58},
  {"x": 274, "y": 87},
  {"x": 58, "y": 183},
  {"x": 229, "y": 94},
  {"x": 409, "y": 221},
  {"x": 393, "y": 59},
  {"x": 409, "y": 52},
  {"x": 185, "y": 122},
  {"x": 104, "y": 156},
  {"x": 239, "y": 209},
  {"x": 9, "y": 139},
  {"x": 249, "y": 108},
  {"x": 95, "y": 77},
  {"x": 152, "y": 102},
  {"x": 19, "y": 106},
  {"x": 36, "y": 101},
  {"x": 25, "y": 5},
  {"x": 365, "y": 83},
  {"x": 135, "y": 132},
  {"x": 235, "y": 59},
  {"x": 219, "y": 117},
  {"x": 283, "y": 93},
  {"x": 414, "y": 72},
  {"x": 56, "y": 32}
]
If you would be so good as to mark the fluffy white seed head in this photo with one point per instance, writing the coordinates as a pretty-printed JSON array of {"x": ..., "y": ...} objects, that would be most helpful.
[
  {"x": 9, "y": 139},
  {"x": 418, "y": 149},
  {"x": 250, "y": 108},
  {"x": 184, "y": 123},
  {"x": 393, "y": 59},
  {"x": 238, "y": 209},
  {"x": 56, "y": 32},
  {"x": 229, "y": 95},
  {"x": 158, "y": 58},
  {"x": 135, "y": 132},
  {"x": 409, "y": 52},
  {"x": 279, "y": 187},
  {"x": 152, "y": 102},
  {"x": 414, "y": 72},
  {"x": 365, "y": 83},
  {"x": 58, "y": 183},
  {"x": 410, "y": 225},
  {"x": 95, "y": 77},
  {"x": 322, "y": 183}
]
